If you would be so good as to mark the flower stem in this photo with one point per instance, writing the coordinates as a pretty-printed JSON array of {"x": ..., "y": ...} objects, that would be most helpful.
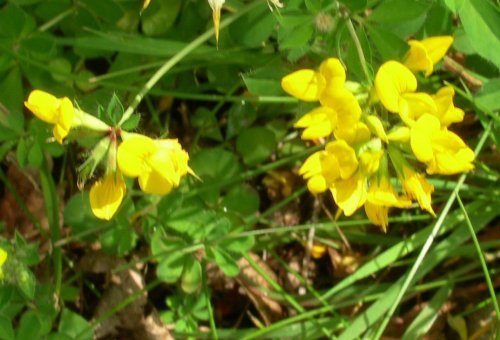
[
  {"x": 359, "y": 49},
  {"x": 177, "y": 58}
]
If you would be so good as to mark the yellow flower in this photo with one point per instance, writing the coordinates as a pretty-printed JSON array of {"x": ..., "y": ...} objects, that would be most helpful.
[
  {"x": 310, "y": 86},
  {"x": 381, "y": 196},
  {"x": 376, "y": 127},
  {"x": 321, "y": 169},
  {"x": 304, "y": 84},
  {"x": 216, "y": 6},
  {"x": 106, "y": 195},
  {"x": 399, "y": 134},
  {"x": 3, "y": 258},
  {"x": 52, "y": 110},
  {"x": 443, "y": 151},
  {"x": 318, "y": 123},
  {"x": 415, "y": 186},
  {"x": 159, "y": 164},
  {"x": 424, "y": 54},
  {"x": 146, "y": 4},
  {"x": 355, "y": 133},
  {"x": 350, "y": 194},
  {"x": 395, "y": 85},
  {"x": 446, "y": 112}
]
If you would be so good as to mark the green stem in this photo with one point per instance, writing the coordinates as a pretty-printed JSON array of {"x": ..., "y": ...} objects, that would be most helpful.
[
  {"x": 425, "y": 248},
  {"x": 55, "y": 20},
  {"x": 177, "y": 58},
  {"x": 211, "y": 318},
  {"x": 480, "y": 254},
  {"x": 359, "y": 49},
  {"x": 52, "y": 209}
]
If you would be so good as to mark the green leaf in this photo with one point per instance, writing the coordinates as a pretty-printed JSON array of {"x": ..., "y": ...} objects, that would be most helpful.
[
  {"x": 427, "y": 316},
  {"x": 132, "y": 123},
  {"x": 255, "y": 145},
  {"x": 170, "y": 259},
  {"x": 26, "y": 281},
  {"x": 121, "y": 238},
  {"x": 388, "y": 45},
  {"x": 215, "y": 167},
  {"x": 6, "y": 329},
  {"x": 29, "y": 326},
  {"x": 241, "y": 199},
  {"x": 60, "y": 69},
  {"x": 12, "y": 98},
  {"x": 207, "y": 123},
  {"x": 489, "y": 94},
  {"x": 191, "y": 276},
  {"x": 160, "y": 16},
  {"x": 225, "y": 261},
  {"x": 240, "y": 116},
  {"x": 74, "y": 324},
  {"x": 295, "y": 31},
  {"x": 254, "y": 28},
  {"x": 402, "y": 17},
  {"x": 480, "y": 20},
  {"x": 237, "y": 245}
]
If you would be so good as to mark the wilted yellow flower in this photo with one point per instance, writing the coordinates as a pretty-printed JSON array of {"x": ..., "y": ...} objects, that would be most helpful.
[
  {"x": 416, "y": 187},
  {"x": 424, "y": 54},
  {"x": 3, "y": 258},
  {"x": 146, "y": 4},
  {"x": 106, "y": 195},
  {"x": 216, "y": 6},
  {"x": 446, "y": 112},
  {"x": 159, "y": 164},
  {"x": 321, "y": 169},
  {"x": 381, "y": 197},
  {"x": 443, "y": 151},
  {"x": 52, "y": 110}
]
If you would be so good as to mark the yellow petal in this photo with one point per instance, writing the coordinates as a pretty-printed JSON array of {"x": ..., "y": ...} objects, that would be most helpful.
[
  {"x": 106, "y": 196},
  {"x": 421, "y": 137},
  {"x": 304, "y": 84},
  {"x": 393, "y": 79},
  {"x": 133, "y": 154},
  {"x": 376, "y": 127},
  {"x": 452, "y": 155},
  {"x": 317, "y": 184},
  {"x": 350, "y": 194},
  {"x": 216, "y": 6},
  {"x": 345, "y": 156},
  {"x": 418, "y": 59},
  {"x": 383, "y": 194},
  {"x": 400, "y": 134},
  {"x": 437, "y": 47},
  {"x": 44, "y": 106},
  {"x": 311, "y": 166},
  {"x": 378, "y": 215},
  {"x": 146, "y": 4},
  {"x": 416, "y": 187},
  {"x": 3, "y": 257},
  {"x": 413, "y": 105},
  {"x": 446, "y": 111},
  {"x": 319, "y": 123},
  {"x": 154, "y": 182}
]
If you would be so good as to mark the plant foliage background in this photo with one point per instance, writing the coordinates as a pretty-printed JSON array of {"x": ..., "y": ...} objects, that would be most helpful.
[{"x": 242, "y": 250}]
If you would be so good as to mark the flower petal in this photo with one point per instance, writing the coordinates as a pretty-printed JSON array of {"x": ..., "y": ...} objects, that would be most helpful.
[
  {"x": 392, "y": 80},
  {"x": 350, "y": 194},
  {"x": 304, "y": 84},
  {"x": 418, "y": 59},
  {"x": 106, "y": 196},
  {"x": 44, "y": 105},
  {"x": 437, "y": 46},
  {"x": 133, "y": 154}
]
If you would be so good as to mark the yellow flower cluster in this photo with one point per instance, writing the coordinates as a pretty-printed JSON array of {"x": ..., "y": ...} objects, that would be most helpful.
[
  {"x": 360, "y": 157},
  {"x": 158, "y": 164}
]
